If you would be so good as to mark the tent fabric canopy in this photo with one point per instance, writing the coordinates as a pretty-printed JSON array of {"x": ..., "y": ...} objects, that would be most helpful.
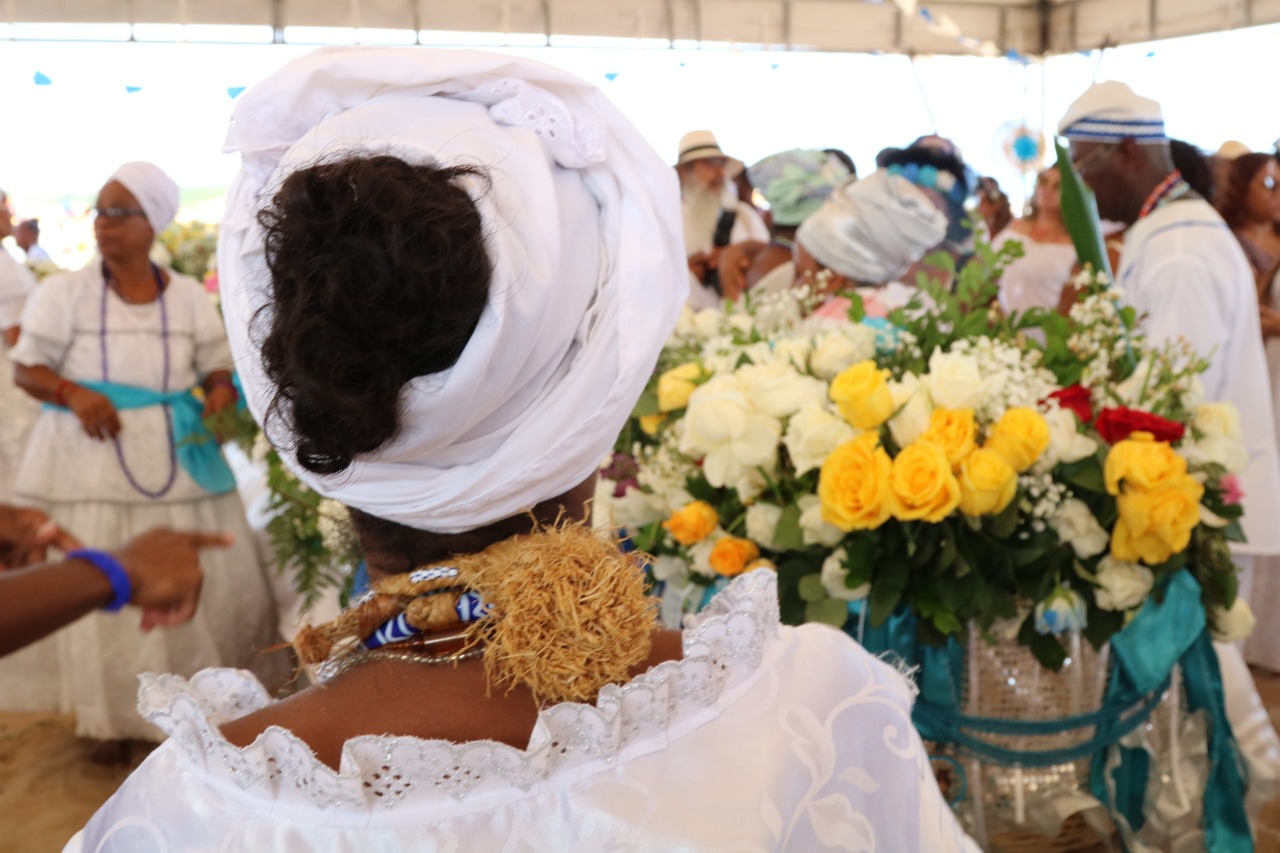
[{"x": 903, "y": 26}]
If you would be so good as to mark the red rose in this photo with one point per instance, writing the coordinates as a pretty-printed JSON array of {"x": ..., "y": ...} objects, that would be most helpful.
[
  {"x": 1116, "y": 424},
  {"x": 1076, "y": 398}
]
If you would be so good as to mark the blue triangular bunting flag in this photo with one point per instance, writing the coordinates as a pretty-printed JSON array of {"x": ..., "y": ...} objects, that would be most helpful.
[
  {"x": 42, "y": 80},
  {"x": 132, "y": 89},
  {"x": 611, "y": 76},
  {"x": 233, "y": 92}
]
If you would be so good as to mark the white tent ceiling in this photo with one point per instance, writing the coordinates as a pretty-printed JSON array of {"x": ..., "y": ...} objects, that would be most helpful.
[{"x": 908, "y": 26}]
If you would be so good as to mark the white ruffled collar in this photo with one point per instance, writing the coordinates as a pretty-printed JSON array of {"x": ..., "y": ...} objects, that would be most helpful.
[{"x": 723, "y": 648}]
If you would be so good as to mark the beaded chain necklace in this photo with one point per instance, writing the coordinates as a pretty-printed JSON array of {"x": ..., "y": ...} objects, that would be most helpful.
[
  {"x": 168, "y": 421},
  {"x": 1170, "y": 189}
]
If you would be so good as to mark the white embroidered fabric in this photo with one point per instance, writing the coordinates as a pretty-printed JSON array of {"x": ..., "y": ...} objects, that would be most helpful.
[{"x": 761, "y": 738}]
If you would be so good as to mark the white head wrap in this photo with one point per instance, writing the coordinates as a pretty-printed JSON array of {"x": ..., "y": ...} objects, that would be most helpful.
[
  {"x": 154, "y": 190},
  {"x": 1109, "y": 112},
  {"x": 582, "y": 223},
  {"x": 871, "y": 230}
]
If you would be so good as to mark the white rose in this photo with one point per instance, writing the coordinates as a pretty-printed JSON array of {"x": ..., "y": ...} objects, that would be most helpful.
[
  {"x": 666, "y": 568},
  {"x": 1221, "y": 440},
  {"x": 815, "y": 529},
  {"x": 834, "y": 351},
  {"x": 762, "y": 524},
  {"x": 793, "y": 351},
  {"x": 684, "y": 323},
  {"x": 913, "y": 409},
  {"x": 1229, "y": 625},
  {"x": 1130, "y": 391},
  {"x": 1066, "y": 443},
  {"x": 700, "y": 554},
  {"x": 706, "y": 323},
  {"x": 954, "y": 381},
  {"x": 742, "y": 323},
  {"x": 724, "y": 428},
  {"x": 634, "y": 509},
  {"x": 760, "y": 353},
  {"x": 778, "y": 390},
  {"x": 1123, "y": 586},
  {"x": 834, "y": 574},
  {"x": 812, "y": 433},
  {"x": 752, "y": 483},
  {"x": 1076, "y": 526}
]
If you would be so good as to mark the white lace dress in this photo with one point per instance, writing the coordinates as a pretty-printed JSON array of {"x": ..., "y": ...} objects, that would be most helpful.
[
  {"x": 90, "y": 668},
  {"x": 761, "y": 738}
]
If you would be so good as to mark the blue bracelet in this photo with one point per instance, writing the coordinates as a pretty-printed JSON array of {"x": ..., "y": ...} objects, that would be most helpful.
[{"x": 110, "y": 567}]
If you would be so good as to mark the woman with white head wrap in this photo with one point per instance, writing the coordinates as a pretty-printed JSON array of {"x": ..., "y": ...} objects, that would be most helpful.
[
  {"x": 114, "y": 351},
  {"x": 403, "y": 178},
  {"x": 867, "y": 235}
]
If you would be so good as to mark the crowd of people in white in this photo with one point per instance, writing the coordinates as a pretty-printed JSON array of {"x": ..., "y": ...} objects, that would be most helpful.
[{"x": 445, "y": 280}]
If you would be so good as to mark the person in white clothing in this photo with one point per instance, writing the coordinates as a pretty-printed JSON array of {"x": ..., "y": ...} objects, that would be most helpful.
[
  {"x": 712, "y": 214},
  {"x": 114, "y": 351},
  {"x": 27, "y": 236},
  {"x": 17, "y": 412},
  {"x": 1183, "y": 271},
  {"x": 500, "y": 687}
]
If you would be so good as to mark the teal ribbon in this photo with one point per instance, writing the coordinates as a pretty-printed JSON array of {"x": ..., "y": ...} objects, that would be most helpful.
[
  {"x": 1166, "y": 632},
  {"x": 197, "y": 450}
]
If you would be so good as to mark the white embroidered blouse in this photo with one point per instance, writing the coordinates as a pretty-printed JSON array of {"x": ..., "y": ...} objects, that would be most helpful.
[{"x": 762, "y": 738}]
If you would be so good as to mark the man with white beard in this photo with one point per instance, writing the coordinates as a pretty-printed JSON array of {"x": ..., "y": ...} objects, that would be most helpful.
[{"x": 713, "y": 215}]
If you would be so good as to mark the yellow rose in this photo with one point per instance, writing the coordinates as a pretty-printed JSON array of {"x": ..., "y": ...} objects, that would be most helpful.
[
  {"x": 692, "y": 523},
  {"x": 954, "y": 430},
  {"x": 1020, "y": 436},
  {"x": 855, "y": 484},
  {"x": 987, "y": 483},
  {"x": 1142, "y": 462},
  {"x": 862, "y": 394},
  {"x": 732, "y": 555},
  {"x": 1155, "y": 524},
  {"x": 923, "y": 485},
  {"x": 675, "y": 386},
  {"x": 651, "y": 423}
]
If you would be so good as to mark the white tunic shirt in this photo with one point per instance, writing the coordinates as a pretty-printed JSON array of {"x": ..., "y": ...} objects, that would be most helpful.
[
  {"x": 760, "y": 738},
  {"x": 73, "y": 320},
  {"x": 16, "y": 284},
  {"x": 1182, "y": 267}
]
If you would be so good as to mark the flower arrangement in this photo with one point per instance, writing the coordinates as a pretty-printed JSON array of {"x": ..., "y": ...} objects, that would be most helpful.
[
  {"x": 191, "y": 248},
  {"x": 1031, "y": 474}
]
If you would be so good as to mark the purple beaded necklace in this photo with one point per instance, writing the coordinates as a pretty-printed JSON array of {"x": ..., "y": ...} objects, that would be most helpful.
[{"x": 168, "y": 421}]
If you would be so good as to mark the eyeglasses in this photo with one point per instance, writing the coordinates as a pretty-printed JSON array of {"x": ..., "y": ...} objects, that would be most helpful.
[
  {"x": 1091, "y": 157},
  {"x": 1269, "y": 183},
  {"x": 118, "y": 212}
]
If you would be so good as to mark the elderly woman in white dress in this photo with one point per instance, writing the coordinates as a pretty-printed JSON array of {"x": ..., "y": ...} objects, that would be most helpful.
[
  {"x": 495, "y": 264},
  {"x": 114, "y": 351}
]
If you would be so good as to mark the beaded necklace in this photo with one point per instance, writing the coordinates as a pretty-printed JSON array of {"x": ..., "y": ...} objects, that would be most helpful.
[
  {"x": 1170, "y": 189},
  {"x": 168, "y": 421}
]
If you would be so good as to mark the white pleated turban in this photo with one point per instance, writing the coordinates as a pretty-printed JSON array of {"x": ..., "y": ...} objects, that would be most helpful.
[
  {"x": 872, "y": 230},
  {"x": 583, "y": 228},
  {"x": 155, "y": 191}
]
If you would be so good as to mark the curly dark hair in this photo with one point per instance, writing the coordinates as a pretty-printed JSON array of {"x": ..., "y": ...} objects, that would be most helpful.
[
  {"x": 1234, "y": 192},
  {"x": 1194, "y": 166},
  {"x": 379, "y": 274}
]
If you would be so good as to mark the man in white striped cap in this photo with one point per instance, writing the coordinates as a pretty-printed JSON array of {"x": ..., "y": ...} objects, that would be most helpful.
[{"x": 1186, "y": 276}]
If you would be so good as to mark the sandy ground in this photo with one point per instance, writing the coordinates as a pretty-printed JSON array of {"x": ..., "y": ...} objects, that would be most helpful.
[{"x": 49, "y": 788}]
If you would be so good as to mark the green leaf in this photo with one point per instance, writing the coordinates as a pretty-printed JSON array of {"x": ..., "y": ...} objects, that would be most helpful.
[
  {"x": 830, "y": 611},
  {"x": 1233, "y": 532},
  {"x": 1049, "y": 651},
  {"x": 1080, "y": 215},
  {"x": 811, "y": 588},
  {"x": 788, "y": 536},
  {"x": 1102, "y": 624},
  {"x": 1003, "y": 525},
  {"x": 886, "y": 593},
  {"x": 857, "y": 312},
  {"x": 648, "y": 402},
  {"x": 1086, "y": 474}
]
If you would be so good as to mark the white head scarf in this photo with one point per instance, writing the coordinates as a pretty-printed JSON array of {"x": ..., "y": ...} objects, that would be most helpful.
[
  {"x": 1109, "y": 112},
  {"x": 872, "y": 230},
  {"x": 154, "y": 190},
  {"x": 582, "y": 224}
]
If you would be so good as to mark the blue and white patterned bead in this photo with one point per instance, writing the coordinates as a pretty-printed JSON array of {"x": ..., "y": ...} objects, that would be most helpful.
[
  {"x": 392, "y": 631},
  {"x": 432, "y": 574},
  {"x": 471, "y": 607}
]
